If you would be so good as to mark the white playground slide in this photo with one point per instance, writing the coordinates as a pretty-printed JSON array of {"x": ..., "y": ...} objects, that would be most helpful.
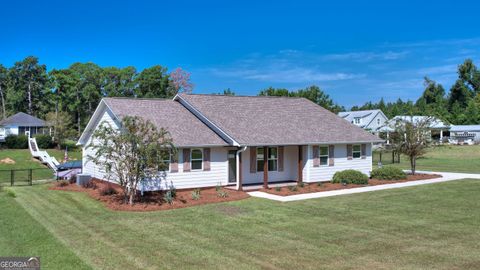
[{"x": 43, "y": 156}]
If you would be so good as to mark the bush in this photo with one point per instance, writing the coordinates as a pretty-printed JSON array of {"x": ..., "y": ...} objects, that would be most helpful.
[
  {"x": 301, "y": 184},
  {"x": 388, "y": 173},
  {"x": 350, "y": 177},
  {"x": 89, "y": 184},
  {"x": 108, "y": 190},
  {"x": 196, "y": 194},
  {"x": 292, "y": 188},
  {"x": 218, "y": 187},
  {"x": 44, "y": 141},
  {"x": 168, "y": 197},
  {"x": 72, "y": 179},
  {"x": 222, "y": 194},
  {"x": 319, "y": 184},
  {"x": 278, "y": 188},
  {"x": 63, "y": 183},
  {"x": 16, "y": 142},
  {"x": 70, "y": 144}
]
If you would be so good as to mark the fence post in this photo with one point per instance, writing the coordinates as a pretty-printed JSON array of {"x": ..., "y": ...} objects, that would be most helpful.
[
  {"x": 12, "y": 176},
  {"x": 393, "y": 157},
  {"x": 30, "y": 176}
]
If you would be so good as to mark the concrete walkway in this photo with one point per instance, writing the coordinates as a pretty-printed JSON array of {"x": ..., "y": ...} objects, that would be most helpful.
[{"x": 446, "y": 176}]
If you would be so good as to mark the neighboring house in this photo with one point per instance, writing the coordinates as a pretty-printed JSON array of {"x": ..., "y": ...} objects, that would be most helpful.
[
  {"x": 465, "y": 132},
  {"x": 22, "y": 124},
  {"x": 240, "y": 140},
  {"x": 370, "y": 120},
  {"x": 437, "y": 126}
]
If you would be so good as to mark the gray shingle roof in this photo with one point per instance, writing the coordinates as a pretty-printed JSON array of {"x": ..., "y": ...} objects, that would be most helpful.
[
  {"x": 366, "y": 115},
  {"x": 276, "y": 120},
  {"x": 185, "y": 128},
  {"x": 24, "y": 120}
]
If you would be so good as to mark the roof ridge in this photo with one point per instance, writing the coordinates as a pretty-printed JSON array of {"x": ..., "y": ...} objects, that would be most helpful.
[{"x": 234, "y": 96}]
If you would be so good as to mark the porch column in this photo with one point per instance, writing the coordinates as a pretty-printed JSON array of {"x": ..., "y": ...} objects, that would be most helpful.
[
  {"x": 265, "y": 167},
  {"x": 441, "y": 135},
  {"x": 300, "y": 164},
  {"x": 239, "y": 168},
  {"x": 388, "y": 137}
]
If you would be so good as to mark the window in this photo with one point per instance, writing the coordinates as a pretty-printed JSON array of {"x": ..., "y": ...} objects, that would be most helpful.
[
  {"x": 357, "y": 151},
  {"x": 165, "y": 160},
  {"x": 196, "y": 159},
  {"x": 378, "y": 121},
  {"x": 323, "y": 155},
  {"x": 357, "y": 120},
  {"x": 272, "y": 159}
]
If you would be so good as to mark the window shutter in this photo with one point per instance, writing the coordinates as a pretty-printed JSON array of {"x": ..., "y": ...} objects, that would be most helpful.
[
  {"x": 253, "y": 159},
  {"x": 174, "y": 163},
  {"x": 280, "y": 158},
  {"x": 364, "y": 151},
  {"x": 331, "y": 155},
  {"x": 316, "y": 158},
  {"x": 349, "y": 152},
  {"x": 186, "y": 159},
  {"x": 206, "y": 159}
]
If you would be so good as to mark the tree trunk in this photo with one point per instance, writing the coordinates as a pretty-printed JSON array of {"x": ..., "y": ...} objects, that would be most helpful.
[
  {"x": 29, "y": 97},
  {"x": 413, "y": 164},
  {"x": 3, "y": 103}
]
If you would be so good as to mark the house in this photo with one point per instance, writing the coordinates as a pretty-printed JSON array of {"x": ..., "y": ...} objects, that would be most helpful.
[
  {"x": 437, "y": 126},
  {"x": 22, "y": 124},
  {"x": 462, "y": 133},
  {"x": 241, "y": 140},
  {"x": 370, "y": 120}
]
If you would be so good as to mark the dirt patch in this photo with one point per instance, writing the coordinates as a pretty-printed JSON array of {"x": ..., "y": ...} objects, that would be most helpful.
[
  {"x": 8, "y": 161},
  {"x": 327, "y": 186},
  {"x": 152, "y": 201}
]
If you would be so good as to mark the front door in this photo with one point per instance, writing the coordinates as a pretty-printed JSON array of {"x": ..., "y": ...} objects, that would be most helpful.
[{"x": 232, "y": 166}]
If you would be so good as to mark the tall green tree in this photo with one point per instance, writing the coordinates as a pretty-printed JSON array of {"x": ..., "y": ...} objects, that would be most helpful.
[
  {"x": 154, "y": 82},
  {"x": 469, "y": 73},
  {"x": 28, "y": 84},
  {"x": 459, "y": 94},
  {"x": 119, "y": 82},
  {"x": 3, "y": 88}
]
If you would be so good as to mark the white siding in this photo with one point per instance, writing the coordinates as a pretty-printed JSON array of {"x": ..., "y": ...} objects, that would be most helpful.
[
  {"x": 289, "y": 168},
  {"x": 325, "y": 173},
  {"x": 374, "y": 124},
  {"x": 218, "y": 173}
]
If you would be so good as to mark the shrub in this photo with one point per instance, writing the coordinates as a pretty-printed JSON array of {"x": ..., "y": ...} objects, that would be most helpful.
[
  {"x": 388, "y": 173},
  {"x": 319, "y": 184},
  {"x": 218, "y": 187},
  {"x": 72, "y": 179},
  {"x": 292, "y": 188},
  {"x": 277, "y": 188},
  {"x": 89, "y": 184},
  {"x": 63, "y": 183},
  {"x": 301, "y": 184},
  {"x": 70, "y": 144},
  {"x": 168, "y": 197},
  {"x": 222, "y": 193},
  {"x": 108, "y": 190},
  {"x": 196, "y": 194},
  {"x": 350, "y": 177},
  {"x": 16, "y": 142},
  {"x": 44, "y": 141},
  {"x": 10, "y": 192}
]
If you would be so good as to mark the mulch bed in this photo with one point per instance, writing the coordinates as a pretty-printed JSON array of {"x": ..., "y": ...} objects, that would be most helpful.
[
  {"x": 327, "y": 186},
  {"x": 152, "y": 201}
]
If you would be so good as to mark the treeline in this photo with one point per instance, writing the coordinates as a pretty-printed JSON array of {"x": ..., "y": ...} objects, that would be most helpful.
[
  {"x": 460, "y": 106},
  {"x": 67, "y": 98}
]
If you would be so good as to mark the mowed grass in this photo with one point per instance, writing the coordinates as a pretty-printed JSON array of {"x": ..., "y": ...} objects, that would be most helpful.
[
  {"x": 21, "y": 235},
  {"x": 24, "y": 160},
  {"x": 426, "y": 227},
  {"x": 448, "y": 158}
]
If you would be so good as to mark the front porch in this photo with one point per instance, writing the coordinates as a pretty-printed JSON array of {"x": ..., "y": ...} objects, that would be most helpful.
[
  {"x": 254, "y": 187},
  {"x": 269, "y": 166}
]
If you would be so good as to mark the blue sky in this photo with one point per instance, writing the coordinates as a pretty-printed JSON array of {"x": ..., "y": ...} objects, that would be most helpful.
[{"x": 354, "y": 51}]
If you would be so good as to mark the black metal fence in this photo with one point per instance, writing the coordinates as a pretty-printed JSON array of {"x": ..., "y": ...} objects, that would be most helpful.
[
  {"x": 25, "y": 177},
  {"x": 385, "y": 157}
]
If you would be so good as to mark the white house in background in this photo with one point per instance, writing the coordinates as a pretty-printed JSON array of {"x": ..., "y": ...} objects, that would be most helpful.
[
  {"x": 22, "y": 124},
  {"x": 437, "y": 126},
  {"x": 462, "y": 133},
  {"x": 370, "y": 120},
  {"x": 240, "y": 140}
]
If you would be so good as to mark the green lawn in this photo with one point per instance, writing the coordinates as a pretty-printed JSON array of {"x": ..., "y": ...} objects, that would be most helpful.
[
  {"x": 447, "y": 158},
  {"x": 23, "y": 160},
  {"x": 426, "y": 227}
]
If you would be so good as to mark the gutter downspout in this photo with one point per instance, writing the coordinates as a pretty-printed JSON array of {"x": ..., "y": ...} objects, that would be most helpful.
[{"x": 237, "y": 158}]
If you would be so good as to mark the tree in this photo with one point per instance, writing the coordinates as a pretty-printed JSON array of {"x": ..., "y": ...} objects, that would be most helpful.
[
  {"x": 459, "y": 94},
  {"x": 60, "y": 121},
  {"x": 415, "y": 140},
  {"x": 134, "y": 152},
  {"x": 469, "y": 74},
  {"x": 28, "y": 83},
  {"x": 3, "y": 87},
  {"x": 315, "y": 94},
  {"x": 279, "y": 92},
  {"x": 180, "y": 82},
  {"x": 119, "y": 82},
  {"x": 154, "y": 82}
]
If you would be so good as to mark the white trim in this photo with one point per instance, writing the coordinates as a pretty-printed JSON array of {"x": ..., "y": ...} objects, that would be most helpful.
[
  {"x": 191, "y": 159},
  {"x": 320, "y": 155},
  {"x": 353, "y": 146},
  {"x": 89, "y": 128}
]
